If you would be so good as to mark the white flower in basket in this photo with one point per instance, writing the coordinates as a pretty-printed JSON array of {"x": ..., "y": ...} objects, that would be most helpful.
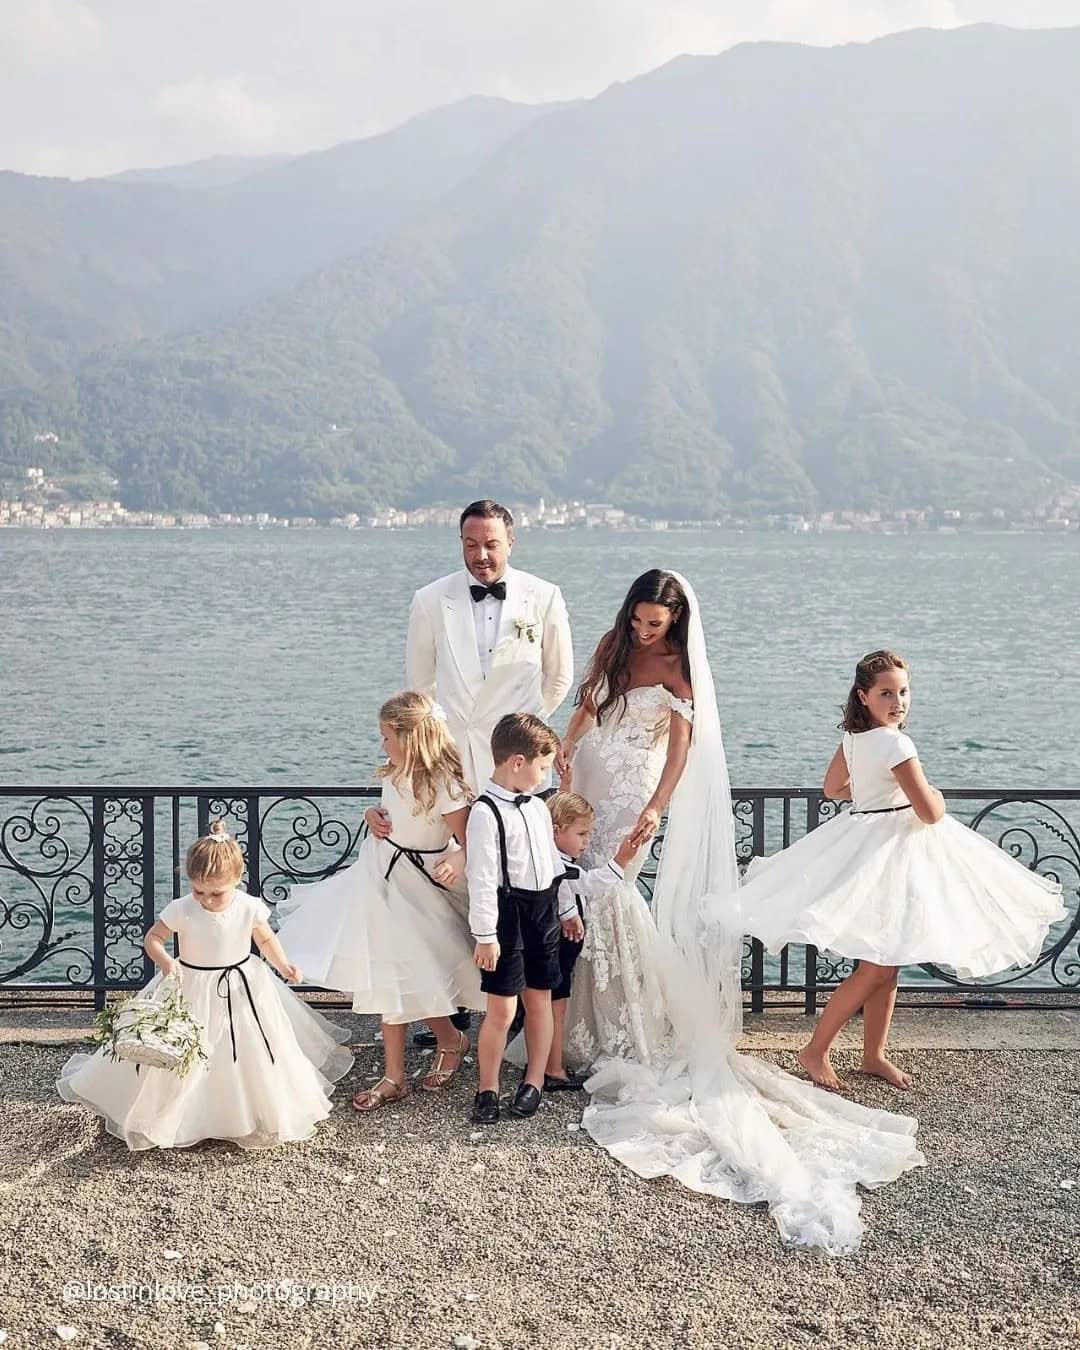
[{"x": 156, "y": 1029}]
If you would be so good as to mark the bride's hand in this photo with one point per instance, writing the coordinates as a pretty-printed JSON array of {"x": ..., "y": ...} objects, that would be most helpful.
[
  {"x": 564, "y": 758},
  {"x": 647, "y": 825}
]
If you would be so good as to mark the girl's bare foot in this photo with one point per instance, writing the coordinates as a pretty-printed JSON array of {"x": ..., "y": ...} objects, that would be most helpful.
[
  {"x": 885, "y": 1068},
  {"x": 820, "y": 1069}
]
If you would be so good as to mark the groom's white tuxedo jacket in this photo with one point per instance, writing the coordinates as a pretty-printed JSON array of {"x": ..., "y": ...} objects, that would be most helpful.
[{"x": 532, "y": 666}]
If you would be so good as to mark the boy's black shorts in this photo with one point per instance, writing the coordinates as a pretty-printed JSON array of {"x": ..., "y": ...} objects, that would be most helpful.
[{"x": 529, "y": 934}]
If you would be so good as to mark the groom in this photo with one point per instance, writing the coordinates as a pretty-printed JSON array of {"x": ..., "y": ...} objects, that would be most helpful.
[{"x": 488, "y": 640}]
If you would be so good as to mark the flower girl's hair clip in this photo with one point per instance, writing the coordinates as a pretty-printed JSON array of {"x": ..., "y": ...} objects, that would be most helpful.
[
  {"x": 438, "y": 712},
  {"x": 215, "y": 857}
]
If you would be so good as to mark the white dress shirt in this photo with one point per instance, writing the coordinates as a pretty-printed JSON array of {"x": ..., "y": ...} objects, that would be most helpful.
[
  {"x": 532, "y": 860},
  {"x": 487, "y": 615},
  {"x": 589, "y": 882}
]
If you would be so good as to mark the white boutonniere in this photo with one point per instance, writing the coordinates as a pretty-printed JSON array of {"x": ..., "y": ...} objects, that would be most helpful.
[{"x": 526, "y": 628}]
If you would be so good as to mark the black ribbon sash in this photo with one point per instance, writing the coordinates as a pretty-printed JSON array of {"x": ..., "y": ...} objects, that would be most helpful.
[
  {"x": 416, "y": 857},
  {"x": 224, "y": 990},
  {"x": 882, "y": 810}
]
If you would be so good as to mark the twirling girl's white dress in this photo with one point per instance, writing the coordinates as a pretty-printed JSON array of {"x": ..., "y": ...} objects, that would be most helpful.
[
  {"x": 617, "y": 1006},
  {"x": 383, "y": 930},
  {"x": 876, "y": 884},
  {"x": 272, "y": 1061}
]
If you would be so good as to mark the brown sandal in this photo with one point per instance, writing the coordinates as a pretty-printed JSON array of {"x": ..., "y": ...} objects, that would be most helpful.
[
  {"x": 378, "y": 1096},
  {"x": 439, "y": 1077}
]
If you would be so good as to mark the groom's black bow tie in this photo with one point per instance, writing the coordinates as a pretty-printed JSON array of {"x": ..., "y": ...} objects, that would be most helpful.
[{"x": 497, "y": 590}]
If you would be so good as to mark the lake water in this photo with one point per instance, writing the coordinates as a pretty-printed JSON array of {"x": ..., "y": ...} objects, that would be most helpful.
[
  {"x": 162, "y": 658},
  {"x": 180, "y": 659}
]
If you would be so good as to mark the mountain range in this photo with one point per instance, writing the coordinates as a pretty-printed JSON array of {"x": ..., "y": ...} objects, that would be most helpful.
[{"x": 780, "y": 278}]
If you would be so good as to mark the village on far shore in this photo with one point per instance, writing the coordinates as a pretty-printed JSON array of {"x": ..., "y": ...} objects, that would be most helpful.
[{"x": 41, "y": 503}]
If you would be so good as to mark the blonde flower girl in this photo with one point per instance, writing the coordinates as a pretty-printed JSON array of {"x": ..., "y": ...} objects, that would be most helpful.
[
  {"x": 270, "y": 1061},
  {"x": 392, "y": 930}
]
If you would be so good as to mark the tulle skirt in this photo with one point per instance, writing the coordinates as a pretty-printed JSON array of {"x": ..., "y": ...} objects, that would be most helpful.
[
  {"x": 253, "y": 1101},
  {"x": 892, "y": 890},
  {"x": 401, "y": 947}
]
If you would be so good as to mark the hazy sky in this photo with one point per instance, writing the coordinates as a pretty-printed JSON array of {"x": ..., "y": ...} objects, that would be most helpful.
[{"x": 92, "y": 86}]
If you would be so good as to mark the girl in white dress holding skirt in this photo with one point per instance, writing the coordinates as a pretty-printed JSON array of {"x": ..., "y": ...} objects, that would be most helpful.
[
  {"x": 392, "y": 930},
  {"x": 892, "y": 882},
  {"x": 270, "y": 1063}
]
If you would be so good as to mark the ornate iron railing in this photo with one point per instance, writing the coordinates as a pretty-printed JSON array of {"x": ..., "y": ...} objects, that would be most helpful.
[{"x": 83, "y": 870}]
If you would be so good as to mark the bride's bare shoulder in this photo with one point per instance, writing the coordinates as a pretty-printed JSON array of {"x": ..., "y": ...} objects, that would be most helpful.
[{"x": 675, "y": 682}]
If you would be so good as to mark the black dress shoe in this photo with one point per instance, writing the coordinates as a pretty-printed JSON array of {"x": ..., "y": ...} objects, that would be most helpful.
[
  {"x": 526, "y": 1100},
  {"x": 573, "y": 1082},
  {"x": 425, "y": 1038},
  {"x": 485, "y": 1108},
  {"x": 462, "y": 1019}
]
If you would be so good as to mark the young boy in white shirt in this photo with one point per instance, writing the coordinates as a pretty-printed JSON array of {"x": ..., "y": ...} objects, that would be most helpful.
[{"x": 513, "y": 870}]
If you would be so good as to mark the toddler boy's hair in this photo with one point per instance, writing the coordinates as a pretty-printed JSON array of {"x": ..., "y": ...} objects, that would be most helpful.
[
  {"x": 568, "y": 807},
  {"x": 522, "y": 734}
]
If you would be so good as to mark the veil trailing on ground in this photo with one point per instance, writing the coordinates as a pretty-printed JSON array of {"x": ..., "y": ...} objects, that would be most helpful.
[{"x": 722, "y": 1123}]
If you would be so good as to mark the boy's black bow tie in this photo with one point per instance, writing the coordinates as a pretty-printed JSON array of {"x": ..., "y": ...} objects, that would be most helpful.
[
  {"x": 497, "y": 590},
  {"x": 522, "y": 798}
]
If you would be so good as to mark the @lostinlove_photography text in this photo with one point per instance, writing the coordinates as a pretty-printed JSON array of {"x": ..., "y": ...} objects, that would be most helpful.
[{"x": 237, "y": 1294}]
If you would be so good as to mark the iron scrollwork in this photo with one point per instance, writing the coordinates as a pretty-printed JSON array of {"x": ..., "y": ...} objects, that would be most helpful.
[
  {"x": 316, "y": 844},
  {"x": 123, "y": 898},
  {"x": 77, "y": 867},
  {"x": 45, "y": 892}
]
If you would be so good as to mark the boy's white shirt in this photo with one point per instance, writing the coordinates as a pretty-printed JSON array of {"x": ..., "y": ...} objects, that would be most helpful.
[
  {"x": 442, "y": 658},
  {"x": 589, "y": 883},
  {"x": 532, "y": 860}
]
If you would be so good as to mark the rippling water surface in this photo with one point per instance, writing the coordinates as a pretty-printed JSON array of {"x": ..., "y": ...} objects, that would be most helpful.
[{"x": 160, "y": 658}]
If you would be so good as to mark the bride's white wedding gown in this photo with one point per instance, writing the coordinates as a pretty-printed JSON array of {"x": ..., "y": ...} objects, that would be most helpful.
[
  {"x": 617, "y": 1005},
  {"x": 656, "y": 1005}
]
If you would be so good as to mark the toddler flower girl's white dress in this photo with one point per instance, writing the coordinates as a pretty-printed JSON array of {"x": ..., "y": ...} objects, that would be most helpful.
[
  {"x": 272, "y": 1061},
  {"x": 383, "y": 929},
  {"x": 876, "y": 884}
]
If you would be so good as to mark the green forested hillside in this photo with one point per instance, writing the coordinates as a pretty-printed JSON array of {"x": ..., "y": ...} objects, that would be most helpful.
[
  {"x": 113, "y": 262},
  {"x": 778, "y": 278}
]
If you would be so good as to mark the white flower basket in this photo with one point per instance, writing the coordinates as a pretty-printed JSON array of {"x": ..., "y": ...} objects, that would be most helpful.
[{"x": 155, "y": 1029}]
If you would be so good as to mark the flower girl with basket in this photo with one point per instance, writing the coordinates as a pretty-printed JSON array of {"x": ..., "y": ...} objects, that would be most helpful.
[{"x": 214, "y": 1047}]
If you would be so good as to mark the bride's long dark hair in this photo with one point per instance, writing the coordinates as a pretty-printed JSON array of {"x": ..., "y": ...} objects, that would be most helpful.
[{"x": 608, "y": 675}]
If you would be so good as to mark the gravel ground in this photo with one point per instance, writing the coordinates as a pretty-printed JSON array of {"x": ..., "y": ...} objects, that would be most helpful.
[{"x": 401, "y": 1230}]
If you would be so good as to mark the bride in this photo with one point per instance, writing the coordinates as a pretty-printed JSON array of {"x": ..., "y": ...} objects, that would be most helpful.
[
  {"x": 624, "y": 752},
  {"x": 657, "y": 1005}
]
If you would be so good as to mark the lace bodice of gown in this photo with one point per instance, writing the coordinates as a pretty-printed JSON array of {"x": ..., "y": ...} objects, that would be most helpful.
[{"x": 619, "y": 763}]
